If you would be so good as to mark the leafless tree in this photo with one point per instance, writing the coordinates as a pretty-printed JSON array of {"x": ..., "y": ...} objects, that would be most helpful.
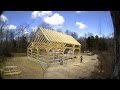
[
  {"x": 45, "y": 25},
  {"x": 116, "y": 22}
]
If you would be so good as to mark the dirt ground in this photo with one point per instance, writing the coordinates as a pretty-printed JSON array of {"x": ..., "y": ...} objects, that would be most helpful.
[
  {"x": 71, "y": 69},
  {"x": 29, "y": 69}
]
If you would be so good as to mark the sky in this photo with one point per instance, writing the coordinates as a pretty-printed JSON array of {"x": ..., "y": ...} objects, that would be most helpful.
[{"x": 82, "y": 22}]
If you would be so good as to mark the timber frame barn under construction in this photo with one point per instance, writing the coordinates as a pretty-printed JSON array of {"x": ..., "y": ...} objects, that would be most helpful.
[{"x": 49, "y": 45}]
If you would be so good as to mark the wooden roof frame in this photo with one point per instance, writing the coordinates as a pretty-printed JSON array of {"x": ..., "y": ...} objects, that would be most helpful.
[
  {"x": 48, "y": 39},
  {"x": 44, "y": 35}
]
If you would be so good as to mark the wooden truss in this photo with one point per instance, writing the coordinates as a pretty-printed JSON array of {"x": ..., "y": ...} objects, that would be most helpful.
[{"x": 48, "y": 45}]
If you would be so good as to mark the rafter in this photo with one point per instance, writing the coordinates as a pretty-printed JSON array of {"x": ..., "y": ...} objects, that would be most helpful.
[{"x": 51, "y": 40}]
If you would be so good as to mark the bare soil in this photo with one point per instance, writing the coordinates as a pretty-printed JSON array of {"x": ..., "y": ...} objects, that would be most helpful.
[
  {"x": 71, "y": 69},
  {"x": 29, "y": 69}
]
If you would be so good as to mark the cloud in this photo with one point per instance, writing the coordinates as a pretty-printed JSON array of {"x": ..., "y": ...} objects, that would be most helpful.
[
  {"x": 7, "y": 27},
  {"x": 80, "y": 11},
  {"x": 25, "y": 32},
  {"x": 81, "y": 25},
  {"x": 34, "y": 29},
  {"x": 3, "y": 18},
  {"x": 41, "y": 14},
  {"x": 48, "y": 17},
  {"x": 57, "y": 27},
  {"x": 55, "y": 19},
  {"x": 10, "y": 27}
]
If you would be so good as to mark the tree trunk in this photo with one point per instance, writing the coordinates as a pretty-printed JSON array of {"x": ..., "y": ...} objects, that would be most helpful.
[{"x": 116, "y": 22}]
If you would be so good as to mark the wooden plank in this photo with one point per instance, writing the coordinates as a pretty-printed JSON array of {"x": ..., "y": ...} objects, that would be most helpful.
[{"x": 11, "y": 70}]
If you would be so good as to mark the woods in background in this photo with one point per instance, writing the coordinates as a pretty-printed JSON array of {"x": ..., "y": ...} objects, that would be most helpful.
[
  {"x": 93, "y": 43},
  {"x": 16, "y": 40},
  {"x": 12, "y": 40}
]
